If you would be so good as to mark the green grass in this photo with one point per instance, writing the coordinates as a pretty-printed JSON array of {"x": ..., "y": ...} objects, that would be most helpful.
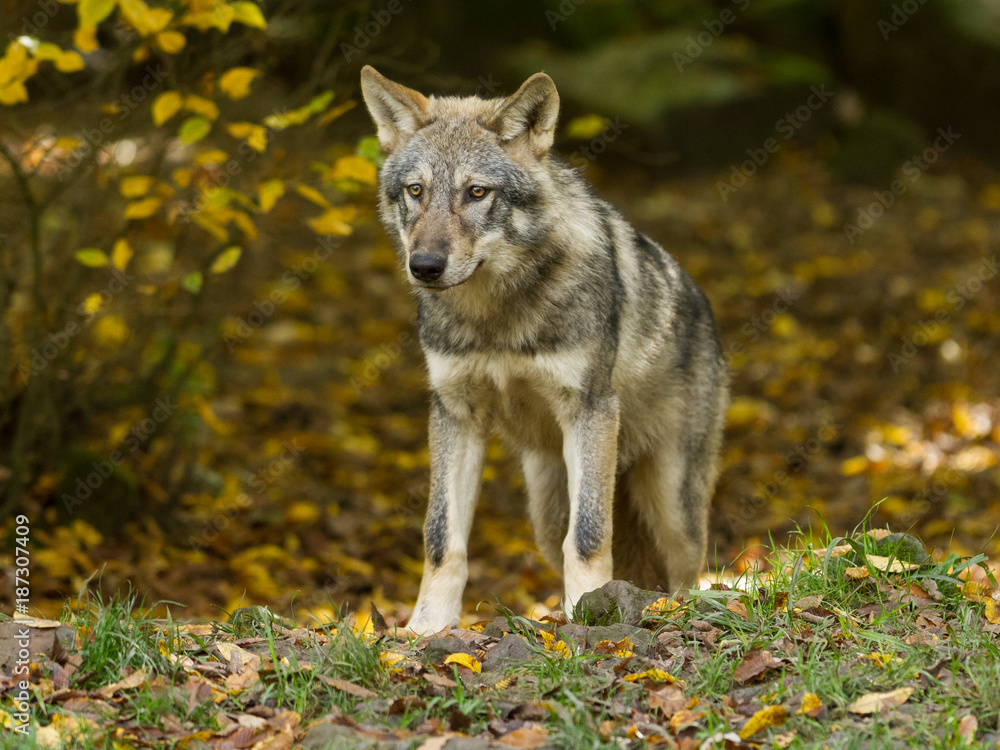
[{"x": 841, "y": 627}]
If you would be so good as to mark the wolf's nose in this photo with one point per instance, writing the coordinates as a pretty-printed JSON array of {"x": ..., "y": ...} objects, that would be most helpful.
[{"x": 427, "y": 266}]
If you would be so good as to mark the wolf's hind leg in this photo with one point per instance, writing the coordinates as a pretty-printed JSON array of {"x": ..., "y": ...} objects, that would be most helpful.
[
  {"x": 670, "y": 492},
  {"x": 548, "y": 502}
]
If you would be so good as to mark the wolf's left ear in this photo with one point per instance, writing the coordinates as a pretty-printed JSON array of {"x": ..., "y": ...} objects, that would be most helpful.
[
  {"x": 398, "y": 111},
  {"x": 530, "y": 113}
]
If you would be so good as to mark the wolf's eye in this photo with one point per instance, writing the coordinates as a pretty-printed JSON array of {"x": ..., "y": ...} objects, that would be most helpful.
[
  {"x": 415, "y": 190},
  {"x": 478, "y": 192}
]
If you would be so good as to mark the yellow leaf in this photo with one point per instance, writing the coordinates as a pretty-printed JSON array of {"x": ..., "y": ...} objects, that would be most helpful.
[
  {"x": 651, "y": 675},
  {"x": 68, "y": 62},
  {"x": 660, "y": 607},
  {"x": 142, "y": 209},
  {"x": 255, "y": 135},
  {"x": 586, "y": 127},
  {"x": 85, "y": 38},
  {"x": 92, "y": 12},
  {"x": 171, "y": 42},
  {"x": 873, "y": 703},
  {"x": 91, "y": 304},
  {"x": 811, "y": 705},
  {"x": 92, "y": 257},
  {"x": 854, "y": 466},
  {"x": 193, "y": 129},
  {"x": 314, "y": 195},
  {"x": 333, "y": 221},
  {"x": 766, "y": 717},
  {"x": 202, "y": 106},
  {"x": 268, "y": 194},
  {"x": 212, "y": 156},
  {"x": 555, "y": 645},
  {"x": 353, "y": 167},
  {"x": 144, "y": 19},
  {"x": 166, "y": 106},
  {"x": 181, "y": 177},
  {"x": 982, "y": 592},
  {"x": 856, "y": 573},
  {"x": 303, "y": 512},
  {"x": 248, "y": 14},
  {"x": 217, "y": 16},
  {"x": 47, "y": 51},
  {"x": 110, "y": 331},
  {"x": 465, "y": 660},
  {"x": 245, "y": 224},
  {"x": 226, "y": 260},
  {"x": 235, "y": 82},
  {"x": 136, "y": 186},
  {"x": 13, "y": 93},
  {"x": 121, "y": 254}
]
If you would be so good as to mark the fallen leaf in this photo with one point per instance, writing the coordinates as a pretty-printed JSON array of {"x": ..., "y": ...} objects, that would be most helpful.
[
  {"x": 873, "y": 703},
  {"x": 531, "y": 736},
  {"x": 754, "y": 665},
  {"x": 350, "y": 688},
  {"x": 967, "y": 728},
  {"x": 811, "y": 705},
  {"x": 766, "y": 717},
  {"x": 465, "y": 660}
]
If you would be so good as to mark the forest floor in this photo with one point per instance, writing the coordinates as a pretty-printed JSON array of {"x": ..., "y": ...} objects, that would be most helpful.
[{"x": 865, "y": 373}]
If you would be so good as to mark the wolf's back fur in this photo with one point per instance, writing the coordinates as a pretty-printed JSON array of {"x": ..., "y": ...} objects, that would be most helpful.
[{"x": 561, "y": 326}]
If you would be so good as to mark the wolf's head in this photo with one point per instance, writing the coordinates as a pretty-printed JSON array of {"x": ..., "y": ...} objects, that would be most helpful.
[{"x": 462, "y": 184}]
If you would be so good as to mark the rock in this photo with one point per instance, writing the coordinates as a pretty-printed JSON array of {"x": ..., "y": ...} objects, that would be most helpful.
[
  {"x": 438, "y": 649},
  {"x": 615, "y": 601},
  {"x": 467, "y": 743},
  {"x": 575, "y": 633},
  {"x": 904, "y": 547},
  {"x": 642, "y": 640},
  {"x": 498, "y": 628},
  {"x": 510, "y": 650},
  {"x": 45, "y": 638}
]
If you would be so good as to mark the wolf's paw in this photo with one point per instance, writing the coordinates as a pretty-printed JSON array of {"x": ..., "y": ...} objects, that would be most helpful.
[{"x": 424, "y": 628}]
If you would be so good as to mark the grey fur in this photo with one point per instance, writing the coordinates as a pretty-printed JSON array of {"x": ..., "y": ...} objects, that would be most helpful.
[{"x": 559, "y": 325}]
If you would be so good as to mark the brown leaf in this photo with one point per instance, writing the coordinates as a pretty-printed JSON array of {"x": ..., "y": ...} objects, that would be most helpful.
[
  {"x": 380, "y": 624},
  {"x": 131, "y": 681},
  {"x": 440, "y": 680},
  {"x": 668, "y": 700},
  {"x": 348, "y": 687},
  {"x": 754, "y": 665},
  {"x": 874, "y": 703},
  {"x": 530, "y": 736},
  {"x": 405, "y": 703},
  {"x": 737, "y": 608},
  {"x": 967, "y": 728}
]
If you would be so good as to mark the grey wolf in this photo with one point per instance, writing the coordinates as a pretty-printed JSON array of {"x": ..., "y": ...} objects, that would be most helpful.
[{"x": 544, "y": 315}]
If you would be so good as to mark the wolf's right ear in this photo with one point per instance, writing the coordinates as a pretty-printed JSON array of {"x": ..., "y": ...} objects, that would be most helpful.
[
  {"x": 398, "y": 111},
  {"x": 529, "y": 115}
]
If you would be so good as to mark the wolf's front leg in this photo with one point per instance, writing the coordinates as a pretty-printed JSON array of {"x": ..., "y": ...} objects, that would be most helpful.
[
  {"x": 458, "y": 448},
  {"x": 590, "y": 449}
]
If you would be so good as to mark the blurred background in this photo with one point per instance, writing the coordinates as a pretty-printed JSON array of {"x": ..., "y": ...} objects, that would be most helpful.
[{"x": 210, "y": 386}]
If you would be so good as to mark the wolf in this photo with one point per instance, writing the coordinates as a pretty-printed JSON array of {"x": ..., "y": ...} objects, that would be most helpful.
[{"x": 545, "y": 316}]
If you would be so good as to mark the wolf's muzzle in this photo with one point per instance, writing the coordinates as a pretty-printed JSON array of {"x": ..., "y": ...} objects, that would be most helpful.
[{"x": 427, "y": 266}]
